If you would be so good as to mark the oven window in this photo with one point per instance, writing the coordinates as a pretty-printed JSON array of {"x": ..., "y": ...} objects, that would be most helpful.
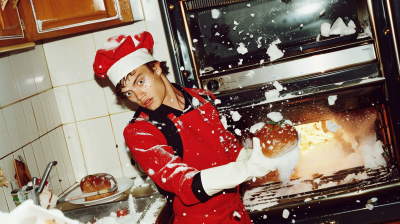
[{"x": 222, "y": 34}]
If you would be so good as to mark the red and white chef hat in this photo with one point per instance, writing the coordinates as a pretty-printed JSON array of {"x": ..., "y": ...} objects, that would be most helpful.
[{"x": 122, "y": 54}]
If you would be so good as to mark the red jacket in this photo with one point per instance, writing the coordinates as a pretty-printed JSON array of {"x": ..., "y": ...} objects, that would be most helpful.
[{"x": 205, "y": 144}]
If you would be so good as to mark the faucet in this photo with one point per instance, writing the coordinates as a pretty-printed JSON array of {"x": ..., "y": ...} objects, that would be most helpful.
[{"x": 38, "y": 190}]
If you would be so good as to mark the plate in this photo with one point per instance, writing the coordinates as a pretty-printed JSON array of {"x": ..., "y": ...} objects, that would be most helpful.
[{"x": 123, "y": 185}]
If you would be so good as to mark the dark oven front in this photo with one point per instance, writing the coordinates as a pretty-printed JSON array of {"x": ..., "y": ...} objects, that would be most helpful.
[{"x": 338, "y": 86}]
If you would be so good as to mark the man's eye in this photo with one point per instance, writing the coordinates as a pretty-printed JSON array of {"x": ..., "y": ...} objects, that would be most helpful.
[
  {"x": 141, "y": 82},
  {"x": 128, "y": 94}
]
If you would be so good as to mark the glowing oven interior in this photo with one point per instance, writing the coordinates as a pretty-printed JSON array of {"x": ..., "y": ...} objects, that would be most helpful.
[{"x": 339, "y": 153}]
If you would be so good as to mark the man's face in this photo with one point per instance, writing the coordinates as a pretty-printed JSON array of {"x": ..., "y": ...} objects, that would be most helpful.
[{"x": 145, "y": 87}]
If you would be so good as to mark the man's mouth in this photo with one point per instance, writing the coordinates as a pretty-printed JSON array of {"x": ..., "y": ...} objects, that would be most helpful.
[{"x": 148, "y": 102}]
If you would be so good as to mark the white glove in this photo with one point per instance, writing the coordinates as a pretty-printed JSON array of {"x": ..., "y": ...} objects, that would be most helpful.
[
  {"x": 259, "y": 165},
  {"x": 232, "y": 174}
]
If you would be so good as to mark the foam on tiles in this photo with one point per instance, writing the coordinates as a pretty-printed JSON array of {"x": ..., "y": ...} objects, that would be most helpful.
[
  {"x": 30, "y": 119},
  {"x": 55, "y": 147},
  {"x": 64, "y": 105},
  {"x": 37, "y": 109},
  {"x": 48, "y": 157},
  {"x": 155, "y": 26},
  {"x": 39, "y": 68},
  {"x": 98, "y": 146},
  {"x": 5, "y": 144},
  {"x": 54, "y": 108},
  {"x": 70, "y": 59},
  {"x": 88, "y": 100},
  {"x": 8, "y": 87},
  {"x": 3, "y": 201},
  {"x": 100, "y": 37},
  {"x": 46, "y": 111},
  {"x": 31, "y": 161},
  {"x": 114, "y": 104},
  {"x": 40, "y": 161},
  {"x": 75, "y": 151},
  {"x": 7, "y": 190},
  {"x": 119, "y": 122},
  {"x": 65, "y": 155},
  {"x": 22, "y": 72},
  {"x": 16, "y": 125}
]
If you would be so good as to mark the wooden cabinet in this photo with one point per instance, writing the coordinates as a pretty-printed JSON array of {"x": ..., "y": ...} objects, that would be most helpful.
[{"x": 44, "y": 19}]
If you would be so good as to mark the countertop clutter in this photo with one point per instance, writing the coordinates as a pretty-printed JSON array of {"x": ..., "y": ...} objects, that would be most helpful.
[{"x": 148, "y": 203}]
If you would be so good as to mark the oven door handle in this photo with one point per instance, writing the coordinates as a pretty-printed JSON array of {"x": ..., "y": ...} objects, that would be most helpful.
[{"x": 392, "y": 31}]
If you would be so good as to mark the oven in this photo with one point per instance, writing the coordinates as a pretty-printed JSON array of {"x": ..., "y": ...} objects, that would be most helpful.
[{"x": 338, "y": 84}]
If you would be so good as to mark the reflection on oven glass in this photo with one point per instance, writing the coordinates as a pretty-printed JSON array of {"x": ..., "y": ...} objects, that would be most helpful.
[{"x": 339, "y": 154}]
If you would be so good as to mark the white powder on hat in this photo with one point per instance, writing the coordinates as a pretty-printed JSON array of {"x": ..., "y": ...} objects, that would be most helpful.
[{"x": 112, "y": 43}]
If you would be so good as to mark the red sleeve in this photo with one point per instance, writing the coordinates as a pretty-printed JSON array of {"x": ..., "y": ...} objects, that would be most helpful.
[{"x": 149, "y": 147}]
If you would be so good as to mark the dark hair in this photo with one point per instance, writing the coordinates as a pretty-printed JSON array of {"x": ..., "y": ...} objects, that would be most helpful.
[{"x": 150, "y": 65}]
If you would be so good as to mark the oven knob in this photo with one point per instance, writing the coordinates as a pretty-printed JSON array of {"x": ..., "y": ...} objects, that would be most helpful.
[{"x": 213, "y": 85}]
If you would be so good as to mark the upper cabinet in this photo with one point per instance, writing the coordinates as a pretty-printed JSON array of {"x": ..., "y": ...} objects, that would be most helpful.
[{"x": 43, "y": 19}]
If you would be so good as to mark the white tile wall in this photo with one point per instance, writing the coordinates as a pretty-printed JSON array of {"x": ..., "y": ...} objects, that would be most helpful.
[
  {"x": 8, "y": 88},
  {"x": 5, "y": 144},
  {"x": 39, "y": 116},
  {"x": 16, "y": 125},
  {"x": 46, "y": 111},
  {"x": 9, "y": 165},
  {"x": 23, "y": 74},
  {"x": 31, "y": 161},
  {"x": 119, "y": 122},
  {"x": 64, "y": 104},
  {"x": 75, "y": 151},
  {"x": 7, "y": 190},
  {"x": 55, "y": 147},
  {"x": 88, "y": 100},
  {"x": 70, "y": 60},
  {"x": 100, "y": 37},
  {"x": 39, "y": 68},
  {"x": 3, "y": 201},
  {"x": 48, "y": 157},
  {"x": 154, "y": 26},
  {"x": 65, "y": 155},
  {"x": 98, "y": 146},
  {"x": 30, "y": 119},
  {"x": 55, "y": 113}
]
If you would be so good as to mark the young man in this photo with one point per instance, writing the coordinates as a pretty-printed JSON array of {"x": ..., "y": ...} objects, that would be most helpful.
[{"x": 177, "y": 137}]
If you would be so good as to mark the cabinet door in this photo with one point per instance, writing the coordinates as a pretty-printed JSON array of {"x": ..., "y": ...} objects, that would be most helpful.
[
  {"x": 53, "y": 15},
  {"x": 11, "y": 26}
]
